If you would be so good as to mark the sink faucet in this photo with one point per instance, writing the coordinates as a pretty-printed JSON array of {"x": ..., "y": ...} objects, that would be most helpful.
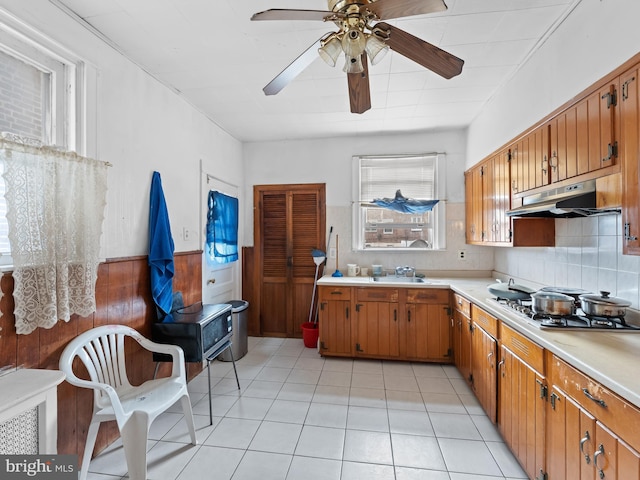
[{"x": 405, "y": 271}]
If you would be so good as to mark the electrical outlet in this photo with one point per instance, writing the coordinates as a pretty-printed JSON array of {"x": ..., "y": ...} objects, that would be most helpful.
[
  {"x": 462, "y": 255},
  {"x": 332, "y": 253},
  {"x": 185, "y": 233}
]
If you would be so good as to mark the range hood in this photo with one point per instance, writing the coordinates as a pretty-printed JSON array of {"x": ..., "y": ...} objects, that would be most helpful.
[{"x": 577, "y": 200}]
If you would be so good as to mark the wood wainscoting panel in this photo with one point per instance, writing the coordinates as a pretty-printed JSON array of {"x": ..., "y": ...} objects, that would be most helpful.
[{"x": 123, "y": 296}]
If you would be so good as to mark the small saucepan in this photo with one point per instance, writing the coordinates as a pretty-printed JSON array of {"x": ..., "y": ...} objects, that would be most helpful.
[
  {"x": 603, "y": 305},
  {"x": 553, "y": 303},
  {"x": 508, "y": 291}
]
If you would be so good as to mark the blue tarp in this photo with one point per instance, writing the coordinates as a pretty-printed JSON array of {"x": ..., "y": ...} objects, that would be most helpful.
[
  {"x": 161, "y": 247},
  {"x": 222, "y": 227},
  {"x": 405, "y": 205}
]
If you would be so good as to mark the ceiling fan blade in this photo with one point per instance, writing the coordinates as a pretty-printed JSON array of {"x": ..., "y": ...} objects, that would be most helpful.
[
  {"x": 424, "y": 53},
  {"x": 359, "y": 91},
  {"x": 293, "y": 70},
  {"x": 290, "y": 14},
  {"x": 386, "y": 9}
]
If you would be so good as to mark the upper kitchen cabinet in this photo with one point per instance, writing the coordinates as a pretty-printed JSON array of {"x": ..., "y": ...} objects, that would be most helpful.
[
  {"x": 473, "y": 205},
  {"x": 597, "y": 121},
  {"x": 488, "y": 198},
  {"x": 528, "y": 162},
  {"x": 578, "y": 139},
  {"x": 488, "y": 189},
  {"x": 630, "y": 156},
  {"x": 538, "y": 157}
]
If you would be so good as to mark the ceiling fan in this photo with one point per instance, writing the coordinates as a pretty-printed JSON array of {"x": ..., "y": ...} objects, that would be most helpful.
[{"x": 362, "y": 36}]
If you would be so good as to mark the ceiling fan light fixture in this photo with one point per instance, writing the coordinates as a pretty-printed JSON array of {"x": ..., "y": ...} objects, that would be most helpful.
[
  {"x": 353, "y": 64},
  {"x": 353, "y": 43},
  {"x": 376, "y": 49},
  {"x": 330, "y": 51}
]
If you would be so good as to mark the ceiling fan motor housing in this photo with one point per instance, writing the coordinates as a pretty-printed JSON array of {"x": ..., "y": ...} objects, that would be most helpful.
[{"x": 339, "y": 5}]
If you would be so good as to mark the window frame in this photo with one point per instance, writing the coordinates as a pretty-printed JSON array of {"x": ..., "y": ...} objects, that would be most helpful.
[
  {"x": 439, "y": 211},
  {"x": 65, "y": 126}
]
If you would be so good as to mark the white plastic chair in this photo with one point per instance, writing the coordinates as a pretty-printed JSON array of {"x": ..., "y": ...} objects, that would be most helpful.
[{"x": 102, "y": 350}]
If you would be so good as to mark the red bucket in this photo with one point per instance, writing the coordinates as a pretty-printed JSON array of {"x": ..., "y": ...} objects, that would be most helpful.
[{"x": 310, "y": 334}]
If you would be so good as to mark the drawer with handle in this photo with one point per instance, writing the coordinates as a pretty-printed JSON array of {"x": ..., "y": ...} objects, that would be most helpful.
[
  {"x": 326, "y": 293},
  {"x": 608, "y": 408}
]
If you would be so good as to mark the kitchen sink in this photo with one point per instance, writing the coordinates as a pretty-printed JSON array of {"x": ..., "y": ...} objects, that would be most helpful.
[{"x": 392, "y": 279}]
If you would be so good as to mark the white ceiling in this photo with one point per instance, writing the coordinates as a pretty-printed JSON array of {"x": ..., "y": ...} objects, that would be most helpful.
[{"x": 219, "y": 61}]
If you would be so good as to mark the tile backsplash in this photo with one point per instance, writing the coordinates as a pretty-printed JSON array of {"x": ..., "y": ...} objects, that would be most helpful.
[{"x": 588, "y": 255}]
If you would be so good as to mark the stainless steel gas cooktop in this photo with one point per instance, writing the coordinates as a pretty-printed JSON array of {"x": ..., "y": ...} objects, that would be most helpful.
[{"x": 578, "y": 321}]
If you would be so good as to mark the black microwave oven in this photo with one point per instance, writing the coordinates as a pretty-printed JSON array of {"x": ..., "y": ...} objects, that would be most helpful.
[{"x": 200, "y": 329}]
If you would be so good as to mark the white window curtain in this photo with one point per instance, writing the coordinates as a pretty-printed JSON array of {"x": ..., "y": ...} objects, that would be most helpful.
[{"x": 55, "y": 209}]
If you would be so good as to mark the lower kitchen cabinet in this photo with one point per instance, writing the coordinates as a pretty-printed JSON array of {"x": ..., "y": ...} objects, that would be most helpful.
[
  {"x": 523, "y": 399},
  {"x": 484, "y": 354},
  {"x": 570, "y": 438},
  {"x": 593, "y": 433},
  {"x": 334, "y": 320},
  {"x": 387, "y": 323},
  {"x": 462, "y": 335},
  {"x": 426, "y": 329},
  {"x": 377, "y": 323}
]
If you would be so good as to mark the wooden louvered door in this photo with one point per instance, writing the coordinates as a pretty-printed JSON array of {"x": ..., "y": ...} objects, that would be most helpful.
[{"x": 289, "y": 221}]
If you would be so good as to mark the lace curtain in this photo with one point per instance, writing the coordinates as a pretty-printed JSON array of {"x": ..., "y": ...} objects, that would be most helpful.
[{"x": 55, "y": 208}]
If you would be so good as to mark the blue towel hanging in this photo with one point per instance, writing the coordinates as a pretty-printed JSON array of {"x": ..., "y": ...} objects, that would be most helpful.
[
  {"x": 405, "y": 205},
  {"x": 161, "y": 247},
  {"x": 222, "y": 227}
]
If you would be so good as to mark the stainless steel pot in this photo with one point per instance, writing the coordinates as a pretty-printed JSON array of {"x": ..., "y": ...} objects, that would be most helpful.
[
  {"x": 552, "y": 303},
  {"x": 572, "y": 292},
  {"x": 603, "y": 305}
]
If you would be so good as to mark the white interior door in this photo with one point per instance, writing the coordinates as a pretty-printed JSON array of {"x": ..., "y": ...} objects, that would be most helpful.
[{"x": 220, "y": 282}]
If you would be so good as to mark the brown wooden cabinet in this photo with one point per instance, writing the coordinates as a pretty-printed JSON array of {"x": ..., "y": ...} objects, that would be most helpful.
[
  {"x": 426, "y": 328},
  {"x": 377, "y": 322},
  {"x": 593, "y": 433},
  {"x": 474, "y": 205},
  {"x": 523, "y": 395},
  {"x": 570, "y": 438},
  {"x": 488, "y": 191},
  {"x": 334, "y": 320},
  {"x": 484, "y": 354},
  {"x": 462, "y": 335},
  {"x": 496, "y": 198},
  {"x": 630, "y": 153},
  {"x": 389, "y": 323}
]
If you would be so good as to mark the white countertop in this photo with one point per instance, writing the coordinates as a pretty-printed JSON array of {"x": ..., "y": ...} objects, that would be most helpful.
[{"x": 613, "y": 359}]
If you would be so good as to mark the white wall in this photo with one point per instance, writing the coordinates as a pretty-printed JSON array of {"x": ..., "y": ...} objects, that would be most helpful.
[
  {"x": 594, "y": 40},
  {"x": 330, "y": 161},
  {"x": 139, "y": 125}
]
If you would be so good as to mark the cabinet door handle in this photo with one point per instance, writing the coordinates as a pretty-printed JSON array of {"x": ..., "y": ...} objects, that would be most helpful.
[
  {"x": 627, "y": 233},
  {"x": 584, "y": 440},
  {"x": 597, "y": 454},
  {"x": 395, "y": 315},
  {"x": 489, "y": 358},
  {"x": 408, "y": 315},
  {"x": 599, "y": 401},
  {"x": 501, "y": 366}
]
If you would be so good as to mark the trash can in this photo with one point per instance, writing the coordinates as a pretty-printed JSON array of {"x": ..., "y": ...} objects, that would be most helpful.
[{"x": 239, "y": 341}]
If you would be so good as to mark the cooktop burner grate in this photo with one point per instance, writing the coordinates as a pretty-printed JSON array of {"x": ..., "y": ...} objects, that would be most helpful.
[{"x": 579, "y": 321}]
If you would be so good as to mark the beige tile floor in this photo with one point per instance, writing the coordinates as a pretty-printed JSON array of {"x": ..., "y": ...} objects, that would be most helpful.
[{"x": 299, "y": 416}]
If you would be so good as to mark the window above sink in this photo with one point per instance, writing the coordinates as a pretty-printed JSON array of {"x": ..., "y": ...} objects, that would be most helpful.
[{"x": 418, "y": 178}]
